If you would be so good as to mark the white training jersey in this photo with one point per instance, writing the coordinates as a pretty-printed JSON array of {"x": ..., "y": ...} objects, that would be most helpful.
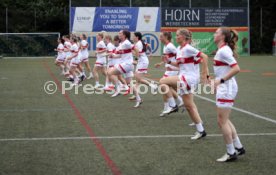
[
  {"x": 223, "y": 61},
  {"x": 117, "y": 52},
  {"x": 67, "y": 45},
  {"x": 84, "y": 45},
  {"x": 110, "y": 49},
  {"x": 170, "y": 51},
  {"x": 101, "y": 47},
  {"x": 142, "y": 54},
  {"x": 75, "y": 49},
  {"x": 60, "y": 49},
  {"x": 125, "y": 50},
  {"x": 186, "y": 59}
]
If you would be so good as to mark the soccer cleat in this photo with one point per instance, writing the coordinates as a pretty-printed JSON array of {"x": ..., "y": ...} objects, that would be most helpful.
[
  {"x": 82, "y": 78},
  {"x": 170, "y": 110},
  {"x": 116, "y": 94},
  {"x": 228, "y": 158},
  {"x": 132, "y": 98},
  {"x": 162, "y": 114},
  {"x": 70, "y": 79},
  {"x": 199, "y": 135},
  {"x": 192, "y": 124},
  {"x": 240, "y": 151},
  {"x": 138, "y": 104},
  {"x": 109, "y": 88}
]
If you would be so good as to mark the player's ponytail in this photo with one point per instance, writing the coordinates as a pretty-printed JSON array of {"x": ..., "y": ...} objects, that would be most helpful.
[
  {"x": 231, "y": 38},
  {"x": 139, "y": 36}
]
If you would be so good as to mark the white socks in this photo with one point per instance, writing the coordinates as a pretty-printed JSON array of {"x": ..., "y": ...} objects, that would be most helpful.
[
  {"x": 237, "y": 142},
  {"x": 230, "y": 148},
  {"x": 199, "y": 127},
  {"x": 171, "y": 102},
  {"x": 166, "y": 105},
  {"x": 179, "y": 99}
]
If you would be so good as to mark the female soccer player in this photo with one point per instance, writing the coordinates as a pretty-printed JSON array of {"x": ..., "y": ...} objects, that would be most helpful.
[
  {"x": 85, "y": 55},
  {"x": 101, "y": 58},
  {"x": 188, "y": 79},
  {"x": 126, "y": 67},
  {"x": 169, "y": 53},
  {"x": 61, "y": 55},
  {"x": 74, "y": 60},
  {"x": 226, "y": 67},
  {"x": 142, "y": 63},
  {"x": 111, "y": 61}
]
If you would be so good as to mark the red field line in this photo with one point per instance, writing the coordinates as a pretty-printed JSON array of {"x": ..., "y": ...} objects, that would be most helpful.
[{"x": 115, "y": 170}]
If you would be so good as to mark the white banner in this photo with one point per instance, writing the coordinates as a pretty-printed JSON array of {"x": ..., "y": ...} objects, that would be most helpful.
[
  {"x": 84, "y": 19},
  {"x": 147, "y": 19}
]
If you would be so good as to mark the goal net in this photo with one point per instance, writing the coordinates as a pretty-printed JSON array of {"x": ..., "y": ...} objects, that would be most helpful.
[{"x": 28, "y": 44}]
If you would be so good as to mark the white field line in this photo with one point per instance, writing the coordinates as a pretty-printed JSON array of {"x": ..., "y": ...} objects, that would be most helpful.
[
  {"x": 125, "y": 137},
  {"x": 234, "y": 108}
]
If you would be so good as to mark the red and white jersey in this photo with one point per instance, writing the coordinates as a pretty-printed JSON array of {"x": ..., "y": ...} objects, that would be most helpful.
[
  {"x": 101, "y": 47},
  {"x": 60, "y": 49},
  {"x": 84, "y": 45},
  {"x": 125, "y": 50},
  {"x": 170, "y": 51},
  {"x": 186, "y": 57},
  {"x": 110, "y": 48},
  {"x": 142, "y": 54},
  {"x": 223, "y": 61},
  {"x": 74, "y": 49},
  {"x": 67, "y": 46}
]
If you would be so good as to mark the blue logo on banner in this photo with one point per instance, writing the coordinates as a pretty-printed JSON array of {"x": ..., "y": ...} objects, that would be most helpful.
[{"x": 152, "y": 40}]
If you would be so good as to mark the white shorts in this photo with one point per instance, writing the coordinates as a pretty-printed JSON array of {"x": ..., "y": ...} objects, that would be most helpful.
[
  {"x": 100, "y": 62},
  {"x": 60, "y": 58},
  {"x": 226, "y": 94},
  {"x": 187, "y": 84},
  {"x": 170, "y": 73},
  {"x": 74, "y": 62},
  {"x": 124, "y": 68},
  {"x": 142, "y": 67},
  {"x": 112, "y": 62},
  {"x": 84, "y": 56}
]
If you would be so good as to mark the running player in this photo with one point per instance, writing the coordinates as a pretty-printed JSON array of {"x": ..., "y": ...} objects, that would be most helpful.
[
  {"x": 85, "y": 55},
  {"x": 126, "y": 67},
  {"x": 74, "y": 60},
  {"x": 187, "y": 79},
  {"x": 61, "y": 55},
  {"x": 169, "y": 53},
  {"x": 111, "y": 61},
  {"x": 100, "y": 65},
  {"x": 226, "y": 67},
  {"x": 142, "y": 64}
]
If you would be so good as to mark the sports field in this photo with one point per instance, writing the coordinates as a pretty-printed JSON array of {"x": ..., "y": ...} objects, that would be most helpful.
[{"x": 98, "y": 135}]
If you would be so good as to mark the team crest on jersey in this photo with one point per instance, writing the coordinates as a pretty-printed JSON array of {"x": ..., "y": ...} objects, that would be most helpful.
[{"x": 147, "y": 18}]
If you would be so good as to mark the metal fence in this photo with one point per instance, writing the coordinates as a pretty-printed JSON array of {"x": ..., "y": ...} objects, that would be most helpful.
[{"x": 159, "y": 3}]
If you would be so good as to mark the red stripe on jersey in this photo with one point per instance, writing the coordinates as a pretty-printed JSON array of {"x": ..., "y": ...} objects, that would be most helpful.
[
  {"x": 198, "y": 61},
  {"x": 133, "y": 47},
  {"x": 125, "y": 51},
  {"x": 185, "y": 60},
  {"x": 100, "y": 49},
  {"x": 225, "y": 100},
  {"x": 198, "y": 55},
  {"x": 98, "y": 63},
  {"x": 220, "y": 63},
  {"x": 142, "y": 69},
  {"x": 233, "y": 65},
  {"x": 170, "y": 55},
  {"x": 122, "y": 68},
  {"x": 184, "y": 80}
]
